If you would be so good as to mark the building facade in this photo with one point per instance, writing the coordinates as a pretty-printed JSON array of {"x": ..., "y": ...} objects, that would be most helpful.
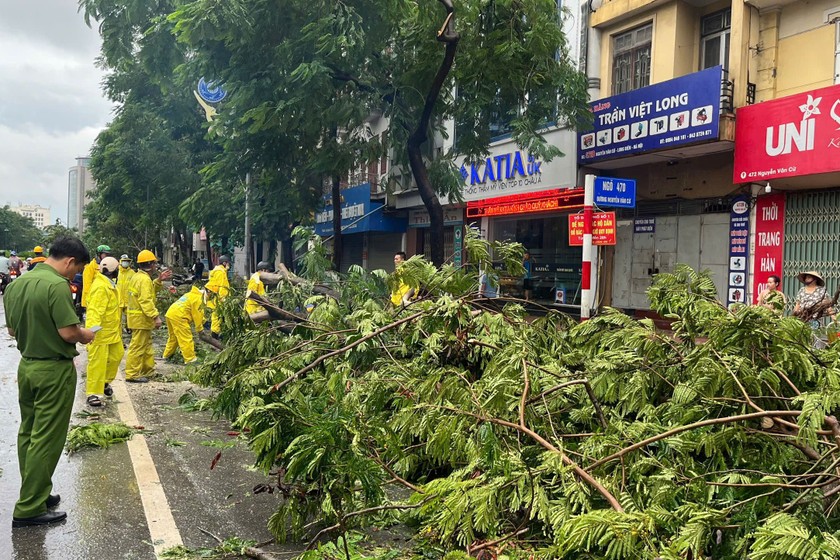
[
  {"x": 39, "y": 215},
  {"x": 80, "y": 183}
]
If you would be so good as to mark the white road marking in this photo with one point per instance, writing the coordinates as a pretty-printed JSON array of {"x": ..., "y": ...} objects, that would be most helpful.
[{"x": 162, "y": 526}]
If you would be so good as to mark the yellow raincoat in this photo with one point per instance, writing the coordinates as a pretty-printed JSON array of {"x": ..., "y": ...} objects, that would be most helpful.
[
  {"x": 88, "y": 274},
  {"x": 219, "y": 285},
  {"x": 141, "y": 315},
  {"x": 106, "y": 350},
  {"x": 255, "y": 285},
  {"x": 188, "y": 309},
  {"x": 123, "y": 280}
]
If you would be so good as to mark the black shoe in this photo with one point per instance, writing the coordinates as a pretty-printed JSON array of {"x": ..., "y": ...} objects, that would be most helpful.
[
  {"x": 109, "y": 391},
  {"x": 138, "y": 380},
  {"x": 53, "y": 500},
  {"x": 47, "y": 518}
]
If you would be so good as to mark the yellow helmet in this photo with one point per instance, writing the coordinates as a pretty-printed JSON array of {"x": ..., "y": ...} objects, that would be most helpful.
[
  {"x": 38, "y": 249},
  {"x": 145, "y": 256}
]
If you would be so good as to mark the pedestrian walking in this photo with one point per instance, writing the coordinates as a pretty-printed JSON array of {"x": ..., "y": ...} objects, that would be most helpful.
[
  {"x": 528, "y": 279},
  {"x": 256, "y": 286},
  {"x": 38, "y": 258},
  {"x": 218, "y": 288},
  {"x": 105, "y": 316},
  {"x": 91, "y": 270},
  {"x": 142, "y": 317},
  {"x": 41, "y": 318},
  {"x": 197, "y": 270},
  {"x": 188, "y": 309}
]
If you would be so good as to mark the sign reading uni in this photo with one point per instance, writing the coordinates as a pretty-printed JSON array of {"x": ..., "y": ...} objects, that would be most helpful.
[
  {"x": 788, "y": 137},
  {"x": 769, "y": 240},
  {"x": 684, "y": 110}
]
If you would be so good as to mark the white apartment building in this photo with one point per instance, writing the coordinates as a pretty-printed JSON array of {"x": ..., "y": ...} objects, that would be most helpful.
[
  {"x": 80, "y": 182},
  {"x": 39, "y": 215}
]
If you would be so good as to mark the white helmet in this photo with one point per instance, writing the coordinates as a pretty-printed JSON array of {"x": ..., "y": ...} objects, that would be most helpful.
[{"x": 108, "y": 266}]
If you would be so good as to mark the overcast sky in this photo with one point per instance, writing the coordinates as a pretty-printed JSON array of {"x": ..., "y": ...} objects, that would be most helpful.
[{"x": 51, "y": 104}]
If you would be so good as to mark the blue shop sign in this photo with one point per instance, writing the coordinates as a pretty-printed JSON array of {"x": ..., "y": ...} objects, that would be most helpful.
[
  {"x": 358, "y": 214},
  {"x": 684, "y": 110}
]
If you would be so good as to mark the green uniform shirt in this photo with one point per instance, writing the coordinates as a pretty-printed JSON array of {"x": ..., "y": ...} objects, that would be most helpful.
[{"x": 37, "y": 305}]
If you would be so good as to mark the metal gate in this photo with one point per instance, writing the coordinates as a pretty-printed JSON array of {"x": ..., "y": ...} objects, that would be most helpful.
[{"x": 812, "y": 239}]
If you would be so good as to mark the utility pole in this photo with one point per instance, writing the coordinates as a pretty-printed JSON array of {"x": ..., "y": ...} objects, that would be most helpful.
[{"x": 248, "y": 269}]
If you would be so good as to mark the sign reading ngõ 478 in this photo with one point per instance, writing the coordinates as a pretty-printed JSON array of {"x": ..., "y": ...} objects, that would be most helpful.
[{"x": 788, "y": 137}]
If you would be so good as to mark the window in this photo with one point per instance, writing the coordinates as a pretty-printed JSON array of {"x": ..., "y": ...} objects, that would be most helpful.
[
  {"x": 631, "y": 59},
  {"x": 714, "y": 40}
]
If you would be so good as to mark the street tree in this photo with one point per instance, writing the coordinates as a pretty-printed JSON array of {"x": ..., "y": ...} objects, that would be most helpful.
[
  {"x": 311, "y": 71},
  {"x": 17, "y": 232}
]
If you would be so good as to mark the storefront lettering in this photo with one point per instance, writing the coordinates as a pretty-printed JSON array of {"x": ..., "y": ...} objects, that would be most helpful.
[
  {"x": 352, "y": 211},
  {"x": 504, "y": 167},
  {"x": 790, "y": 134}
]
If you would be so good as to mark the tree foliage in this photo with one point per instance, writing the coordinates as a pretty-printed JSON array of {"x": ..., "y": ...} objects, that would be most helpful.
[
  {"x": 17, "y": 232},
  {"x": 606, "y": 439}
]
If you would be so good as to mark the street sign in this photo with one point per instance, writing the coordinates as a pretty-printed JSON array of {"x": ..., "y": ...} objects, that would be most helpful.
[
  {"x": 615, "y": 193},
  {"x": 603, "y": 229}
]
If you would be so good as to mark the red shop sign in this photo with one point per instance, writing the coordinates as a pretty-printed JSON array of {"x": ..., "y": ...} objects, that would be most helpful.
[
  {"x": 603, "y": 229},
  {"x": 769, "y": 240},
  {"x": 788, "y": 137}
]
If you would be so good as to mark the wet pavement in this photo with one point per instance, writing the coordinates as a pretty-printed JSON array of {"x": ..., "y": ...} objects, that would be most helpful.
[{"x": 99, "y": 488}]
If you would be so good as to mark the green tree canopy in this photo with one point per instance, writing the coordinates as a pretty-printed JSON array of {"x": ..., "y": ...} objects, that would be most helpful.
[{"x": 17, "y": 232}]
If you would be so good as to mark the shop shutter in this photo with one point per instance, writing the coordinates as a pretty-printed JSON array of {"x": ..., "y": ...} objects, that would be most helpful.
[
  {"x": 812, "y": 239},
  {"x": 353, "y": 246}
]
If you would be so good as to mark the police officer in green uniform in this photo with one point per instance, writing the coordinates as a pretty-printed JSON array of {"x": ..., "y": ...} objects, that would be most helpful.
[{"x": 41, "y": 318}]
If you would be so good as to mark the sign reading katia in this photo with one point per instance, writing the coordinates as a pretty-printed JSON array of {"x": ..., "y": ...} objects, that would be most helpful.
[
  {"x": 615, "y": 193},
  {"x": 681, "y": 111},
  {"x": 769, "y": 240},
  {"x": 788, "y": 137},
  {"x": 739, "y": 238},
  {"x": 603, "y": 229}
]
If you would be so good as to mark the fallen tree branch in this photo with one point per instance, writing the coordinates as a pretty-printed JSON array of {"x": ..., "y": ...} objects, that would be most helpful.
[
  {"x": 365, "y": 511},
  {"x": 582, "y": 474},
  {"x": 688, "y": 427},
  {"x": 216, "y": 344}
]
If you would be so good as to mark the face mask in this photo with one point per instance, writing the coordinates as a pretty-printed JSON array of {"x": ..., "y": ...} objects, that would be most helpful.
[{"x": 124, "y": 264}]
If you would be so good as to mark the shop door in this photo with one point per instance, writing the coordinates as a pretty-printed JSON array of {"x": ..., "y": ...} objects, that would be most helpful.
[
  {"x": 700, "y": 241},
  {"x": 638, "y": 257},
  {"x": 812, "y": 239}
]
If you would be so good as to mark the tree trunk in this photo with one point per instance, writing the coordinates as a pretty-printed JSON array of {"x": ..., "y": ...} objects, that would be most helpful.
[
  {"x": 336, "y": 222},
  {"x": 420, "y": 136}
]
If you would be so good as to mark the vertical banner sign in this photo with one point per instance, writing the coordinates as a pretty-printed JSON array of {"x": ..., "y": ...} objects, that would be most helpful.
[
  {"x": 459, "y": 245},
  {"x": 739, "y": 239},
  {"x": 603, "y": 229},
  {"x": 769, "y": 240}
]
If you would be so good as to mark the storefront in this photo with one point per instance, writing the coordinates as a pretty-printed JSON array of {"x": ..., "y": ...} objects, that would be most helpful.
[
  {"x": 675, "y": 140},
  {"x": 453, "y": 224},
  {"x": 371, "y": 232},
  {"x": 791, "y": 147}
]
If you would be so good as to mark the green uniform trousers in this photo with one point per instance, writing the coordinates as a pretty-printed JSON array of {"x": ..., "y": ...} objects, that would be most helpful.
[
  {"x": 46, "y": 389},
  {"x": 103, "y": 363},
  {"x": 140, "y": 358}
]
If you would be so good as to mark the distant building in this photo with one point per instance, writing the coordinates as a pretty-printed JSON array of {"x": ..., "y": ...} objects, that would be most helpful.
[
  {"x": 79, "y": 184},
  {"x": 39, "y": 215}
]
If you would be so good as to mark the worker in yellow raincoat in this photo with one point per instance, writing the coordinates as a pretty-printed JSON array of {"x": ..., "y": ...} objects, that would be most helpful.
[
  {"x": 256, "y": 286},
  {"x": 91, "y": 270},
  {"x": 103, "y": 314},
  {"x": 217, "y": 288},
  {"x": 142, "y": 317},
  {"x": 188, "y": 309},
  {"x": 126, "y": 272}
]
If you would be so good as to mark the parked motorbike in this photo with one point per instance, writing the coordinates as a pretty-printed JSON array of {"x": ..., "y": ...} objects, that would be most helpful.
[
  {"x": 5, "y": 280},
  {"x": 181, "y": 279}
]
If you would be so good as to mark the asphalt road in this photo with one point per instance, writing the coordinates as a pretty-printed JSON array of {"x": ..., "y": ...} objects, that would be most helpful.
[{"x": 109, "y": 513}]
